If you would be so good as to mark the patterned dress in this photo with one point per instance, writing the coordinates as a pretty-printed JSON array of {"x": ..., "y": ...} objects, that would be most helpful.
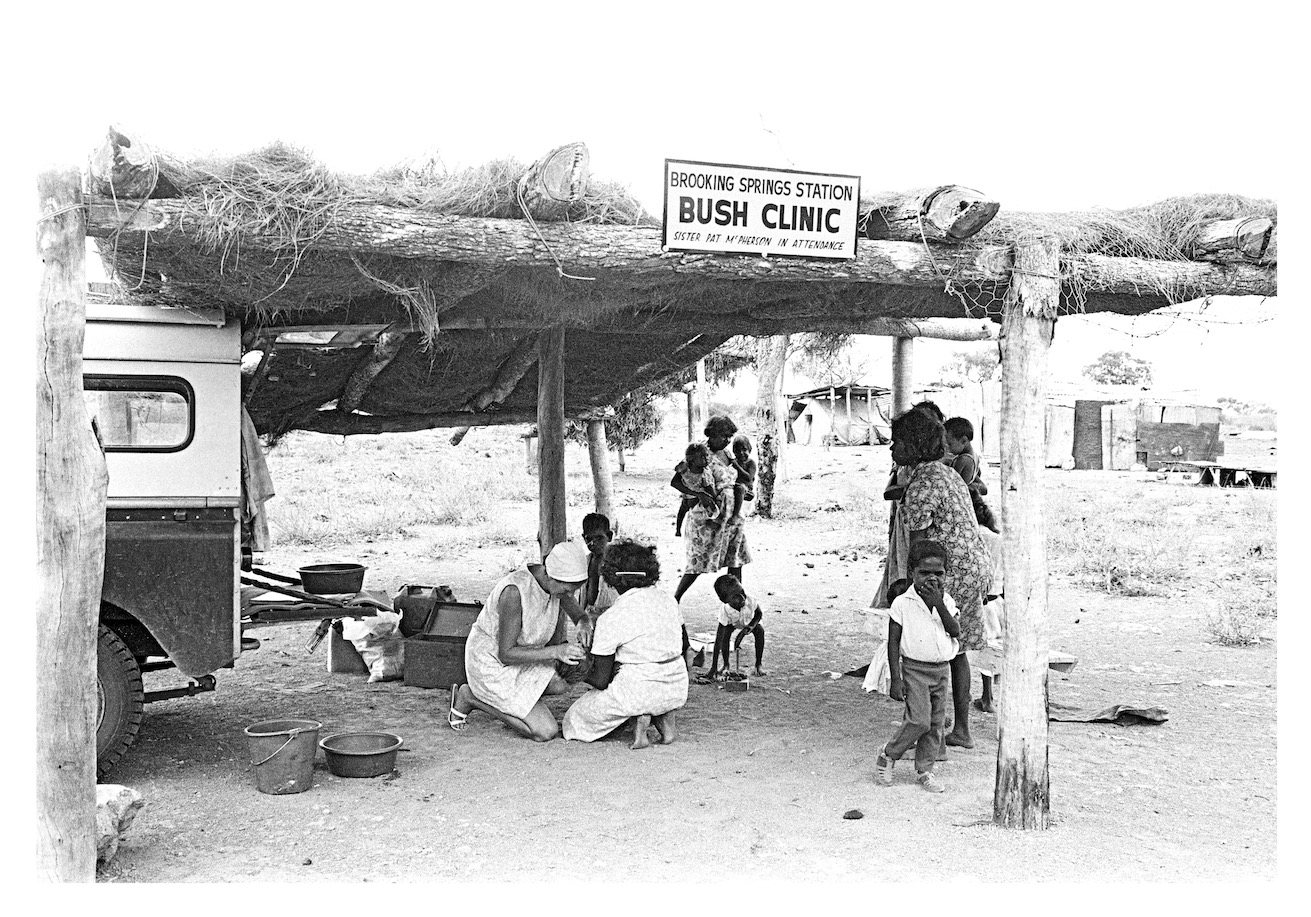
[
  {"x": 644, "y": 631},
  {"x": 712, "y": 546},
  {"x": 512, "y": 689},
  {"x": 937, "y": 501}
]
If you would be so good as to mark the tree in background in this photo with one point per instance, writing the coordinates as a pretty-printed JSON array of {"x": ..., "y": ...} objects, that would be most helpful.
[
  {"x": 1117, "y": 367},
  {"x": 1247, "y": 415},
  {"x": 637, "y": 418},
  {"x": 978, "y": 366},
  {"x": 826, "y": 357}
]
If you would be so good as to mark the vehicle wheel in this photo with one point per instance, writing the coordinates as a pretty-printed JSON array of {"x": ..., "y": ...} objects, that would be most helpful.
[{"x": 119, "y": 700}]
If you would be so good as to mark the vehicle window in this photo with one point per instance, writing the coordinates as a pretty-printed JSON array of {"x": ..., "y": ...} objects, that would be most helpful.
[{"x": 140, "y": 413}]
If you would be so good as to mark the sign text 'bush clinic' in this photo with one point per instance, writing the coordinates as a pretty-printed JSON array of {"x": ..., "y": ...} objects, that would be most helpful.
[{"x": 712, "y": 207}]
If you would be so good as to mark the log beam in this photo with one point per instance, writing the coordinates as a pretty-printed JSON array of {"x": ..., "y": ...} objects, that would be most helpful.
[
  {"x": 126, "y": 168},
  {"x": 385, "y": 349},
  {"x": 1021, "y": 795},
  {"x": 1232, "y": 240},
  {"x": 552, "y": 522},
  {"x": 338, "y": 424},
  {"x": 71, "y": 484},
  {"x": 512, "y": 369},
  {"x": 950, "y": 213},
  {"x": 636, "y": 250}
]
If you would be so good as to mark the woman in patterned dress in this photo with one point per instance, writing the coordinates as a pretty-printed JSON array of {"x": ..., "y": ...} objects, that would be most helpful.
[
  {"x": 937, "y": 506},
  {"x": 637, "y": 654},
  {"x": 511, "y": 654},
  {"x": 712, "y": 544}
]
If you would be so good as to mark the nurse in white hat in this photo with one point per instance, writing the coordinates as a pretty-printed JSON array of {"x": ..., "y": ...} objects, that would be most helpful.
[{"x": 511, "y": 655}]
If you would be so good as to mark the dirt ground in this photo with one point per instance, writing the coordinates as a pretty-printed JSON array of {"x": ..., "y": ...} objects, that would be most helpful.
[{"x": 757, "y": 783}]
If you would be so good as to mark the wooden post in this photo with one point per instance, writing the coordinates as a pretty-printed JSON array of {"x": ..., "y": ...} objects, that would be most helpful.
[
  {"x": 903, "y": 352},
  {"x": 602, "y": 486},
  {"x": 1021, "y": 792},
  {"x": 770, "y": 354},
  {"x": 832, "y": 419},
  {"x": 848, "y": 413},
  {"x": 71, "y": 483},
  {"x": 781, "y": 433},
  {"x": 702, "y": 395},
  {"x": 691, "y": 421},
  {"x": 553, "y": 526}
]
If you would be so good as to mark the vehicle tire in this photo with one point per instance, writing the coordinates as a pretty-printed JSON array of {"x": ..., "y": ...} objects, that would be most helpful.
[{"x": 120, "y": 698}]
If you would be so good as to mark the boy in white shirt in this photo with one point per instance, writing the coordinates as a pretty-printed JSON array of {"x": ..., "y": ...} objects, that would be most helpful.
[
  {"x": 922, "y": 640},
  {"x": 739, "y": 611}
]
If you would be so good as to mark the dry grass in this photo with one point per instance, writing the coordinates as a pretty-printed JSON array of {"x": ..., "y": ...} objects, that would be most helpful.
[{"x": 1117, "y": 534}]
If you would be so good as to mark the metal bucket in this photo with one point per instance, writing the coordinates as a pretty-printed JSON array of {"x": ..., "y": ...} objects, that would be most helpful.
[{"x": 282, "y": 754}]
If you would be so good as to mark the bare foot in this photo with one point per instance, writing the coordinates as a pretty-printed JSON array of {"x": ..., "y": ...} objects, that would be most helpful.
[
  {"x": 665, "y": 724},
  {"x": 984, "y": 705},
  {"x": 759, "y": 672},
  {"x": 735, "y": 520},
  {"x": 640, "y": 726},
  {"x": 960, "y": 740}
]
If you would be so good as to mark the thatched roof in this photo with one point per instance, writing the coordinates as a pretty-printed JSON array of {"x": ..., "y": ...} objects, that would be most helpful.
[{"x": 450, "y": 265}]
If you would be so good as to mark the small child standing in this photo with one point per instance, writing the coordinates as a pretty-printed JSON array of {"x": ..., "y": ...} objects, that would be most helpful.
[
  {"x": 745, "y": 487},
  {"x": 739, "y": 611},
  {"x": 962, "y": 457},
  {"x": 697, "y": 476},
  {"x": 922, "y": 640}
]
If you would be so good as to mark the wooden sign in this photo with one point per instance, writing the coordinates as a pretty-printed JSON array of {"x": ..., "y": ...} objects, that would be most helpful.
[{"x": 711, "y": 207}]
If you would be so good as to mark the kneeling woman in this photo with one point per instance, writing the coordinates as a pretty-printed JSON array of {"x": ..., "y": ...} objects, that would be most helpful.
[
  {"x": 512, "y": 651},
  {"x": 637, "y": 654}
]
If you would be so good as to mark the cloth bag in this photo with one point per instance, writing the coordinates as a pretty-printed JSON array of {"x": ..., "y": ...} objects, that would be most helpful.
[{"x": 379, "y": 643}]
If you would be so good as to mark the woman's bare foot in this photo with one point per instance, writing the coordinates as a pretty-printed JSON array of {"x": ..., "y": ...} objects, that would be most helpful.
[
  {"x": 665, "y": 724},
  {"x": 758, "y": 671},
  {"x": 985, "y": 705},
  {"x": 640, "y": 725}
]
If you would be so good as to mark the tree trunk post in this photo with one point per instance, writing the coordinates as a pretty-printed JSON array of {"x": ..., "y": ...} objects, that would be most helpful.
[
  {"x": 553, "y": 526},
  {"x": 770, "y": 353},
  {"x": 691, "y": 421},
  {"x": 903, "y": 352},
  {"x": 781, "y": 410},
  {"x": 71, "y": 486},
  {"x": 702, "y": 394},
  {"x": 848, "y": 413},
  {"x": 1021, "y": 793},
  {"x": 598, "y": 451}
]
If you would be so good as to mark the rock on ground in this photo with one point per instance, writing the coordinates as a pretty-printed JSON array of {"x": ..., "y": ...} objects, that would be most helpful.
[{"x": 116, "y": 806}]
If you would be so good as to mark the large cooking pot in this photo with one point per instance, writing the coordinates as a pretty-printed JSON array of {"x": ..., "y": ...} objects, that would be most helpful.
[{"x": 332, "y": 579}]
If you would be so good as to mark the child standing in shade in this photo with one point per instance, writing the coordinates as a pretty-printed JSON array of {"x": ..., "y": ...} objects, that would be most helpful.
[
  {"x": 745, "y": 487},
  {"x": 697, "y": 476},
  {"x": 922, "y": 641},
  {"x": 741, "y": 612}
]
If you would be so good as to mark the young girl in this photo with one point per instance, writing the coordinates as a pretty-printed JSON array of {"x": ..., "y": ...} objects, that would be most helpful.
[
  {"x": 697, "y": 476},
  {"x": 745, "y": 488}
]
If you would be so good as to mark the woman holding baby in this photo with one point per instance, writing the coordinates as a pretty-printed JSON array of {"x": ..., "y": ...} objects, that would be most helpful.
[{"x": 713, "y": 542}]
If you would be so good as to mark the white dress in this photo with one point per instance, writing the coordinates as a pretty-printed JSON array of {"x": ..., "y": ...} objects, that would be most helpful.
[
  {"x": 512, "y": 689},
  {"x": 644, "y": 631}
]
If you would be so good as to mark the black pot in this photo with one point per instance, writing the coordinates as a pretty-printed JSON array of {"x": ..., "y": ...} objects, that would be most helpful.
[{"x": 332, "y": 579}]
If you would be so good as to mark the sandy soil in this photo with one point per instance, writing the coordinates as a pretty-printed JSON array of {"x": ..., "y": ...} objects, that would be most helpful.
[{"x": 757, "y": 783}]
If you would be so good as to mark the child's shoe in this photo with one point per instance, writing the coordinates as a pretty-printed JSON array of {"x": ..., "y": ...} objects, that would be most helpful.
[
  {"x": 930, "y": 783},
  {"x": 883, "y": 769}
]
